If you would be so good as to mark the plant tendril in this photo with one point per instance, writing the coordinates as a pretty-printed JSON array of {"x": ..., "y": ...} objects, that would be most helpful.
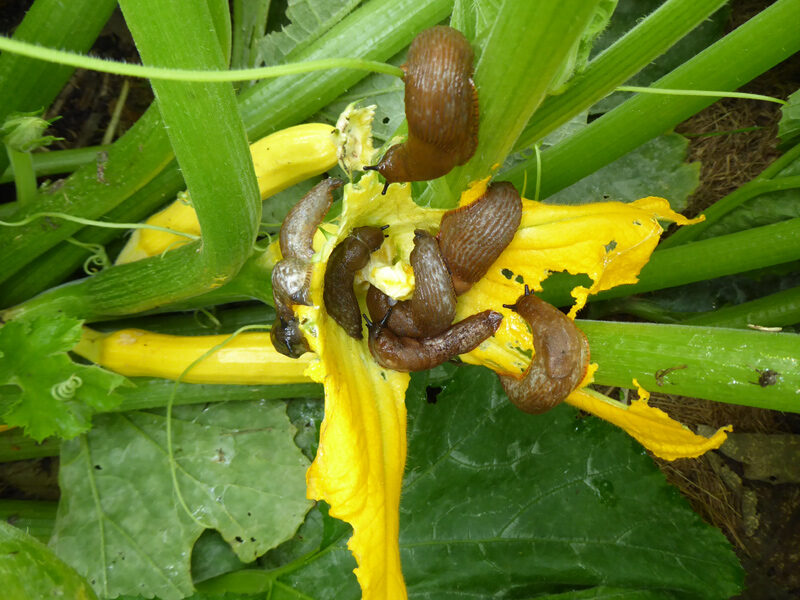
[
  {"x": 93, "y": 223},
  {"x": 66, "y": 389}
]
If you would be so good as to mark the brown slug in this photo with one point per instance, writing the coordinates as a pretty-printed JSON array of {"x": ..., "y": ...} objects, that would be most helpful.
[
  {"x": 291, "y": 276},
  {"x": 401, "y": 353},
  {"x": 473, "y": 236},
  {"x": 432, "y": 307},
  {"x": 300, "y": 224},
  {"x": 560, "y": 362},
  {"x": 441, "y": 109},
  {"x": 349, "y": 256}
]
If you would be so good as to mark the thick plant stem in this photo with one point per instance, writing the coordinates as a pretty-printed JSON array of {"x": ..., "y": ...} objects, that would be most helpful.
[
  {"x": 731, "y": 62},
  {"x": 551, "y": 29},
  {"x": 780, "y": 309},
  {"x": 724, "y": 365},
  {"x": 33, "y": 516},
  {"x": 626, "y": 57},
  {"x": 58, "y": 161}
]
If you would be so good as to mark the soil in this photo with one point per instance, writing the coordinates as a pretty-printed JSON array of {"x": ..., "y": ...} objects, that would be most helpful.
[{"x": 733, "y": 139}]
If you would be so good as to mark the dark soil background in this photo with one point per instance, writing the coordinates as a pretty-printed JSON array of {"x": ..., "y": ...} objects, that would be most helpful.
[{"x": 753, "y": 496}]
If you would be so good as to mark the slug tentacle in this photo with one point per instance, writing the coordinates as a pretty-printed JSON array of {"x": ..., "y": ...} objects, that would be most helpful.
[
  {"x": 441, "y": 109},
  {"x": 432, "y": 307},
  {"x": 401, "y": 353},
  {"x": 473, "y": 236},
  {"x": 560, "y": 362},
  {"x": 349, "y": 256},
  {"x": 300, "y": 224},
  {"x": 291, "y": 276}
]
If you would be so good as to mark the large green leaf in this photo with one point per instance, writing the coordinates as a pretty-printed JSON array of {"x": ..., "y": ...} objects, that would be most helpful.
[
  {"x": 119, "y": 521},
  {"x": 47, "y": 393},
  {"x": 29, "y": 569},
  {"x": 498, "y": 504},
  {"x": 657, "y": 168}
]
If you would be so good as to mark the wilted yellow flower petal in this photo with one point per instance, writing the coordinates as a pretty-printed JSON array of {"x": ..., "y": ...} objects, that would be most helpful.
[
  {"x": 652, "y": 427},
  {"x": 609, "y": 241},
  {"x": 359, "y": 465}
]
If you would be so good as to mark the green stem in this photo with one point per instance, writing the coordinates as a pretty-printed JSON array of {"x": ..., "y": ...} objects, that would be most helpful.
[
  {"x": 192, "y": 75},
  {"x": 762, "y": 184},
  {"x": 729, "y": 63},
  {"x": 15, "y": 445},
  {"x": 58, "y": 161},
  {"x": 24, "y": 175},
  {"x": 780, "y": 309},
  {"x": 507, "y": 92},
  {"x": 627, "y": 56},
  {"x": 249, "y": 25},
  {"x": 32, "y": 516},
  {"x": 717, "y": 364},
  {"x": 697, "y": 261}
]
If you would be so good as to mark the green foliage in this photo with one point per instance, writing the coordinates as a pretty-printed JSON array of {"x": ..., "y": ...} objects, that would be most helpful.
[
  {"x": 789, "y": 126},
  {"x": 499, "y": 504},
  {"x": 120, "y": 522},
  {"x": 309, "y": 20},
  {"x": 48, "y": 394},
  {"x": 657, "y": 168},
  {"x": 29, "y": 569}
]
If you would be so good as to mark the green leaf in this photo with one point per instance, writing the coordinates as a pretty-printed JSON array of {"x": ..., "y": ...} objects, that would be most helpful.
[
  {"x": 789, "y": 126},
  {"x": 54, "y": 395},
  {"x": 309, "y": 20},
  {"x": 119, "y": 521},
  {"x": 657, "y": 168},
  {"x": 475, "y": 20},
  {"x": 29, "y": 569},
  {"x": 498, "y": 504}
]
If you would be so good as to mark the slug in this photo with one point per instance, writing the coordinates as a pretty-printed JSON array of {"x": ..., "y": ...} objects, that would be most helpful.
[
  {"x": 473, "y": 236},
  {"x": 441, "y": 109},
  {"x": 300, "y": 224},
  {"x": 348, "y": 257},
  {"x": 432, "y": 307},
  {"x": 560, "y": 362},
  {"x": 401, "y": 353},
  {"x": 291, "y": 276}
]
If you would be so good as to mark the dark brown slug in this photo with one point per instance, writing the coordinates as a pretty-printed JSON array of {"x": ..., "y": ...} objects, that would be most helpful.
[
  {"x": 291, "y": 276},
  {"x": 560, "y": 362},
  {"x": 432, "y": 307},
  {"x": 473, "y": 236},
  {"x": 441, "y": 109},
  {"x": 349, "y": 256},
  {"x": 418, "y": 354}
]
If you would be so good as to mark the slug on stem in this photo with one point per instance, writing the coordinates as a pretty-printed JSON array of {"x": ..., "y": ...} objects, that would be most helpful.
[
  {"x": 473, "y": 236},
  {"x": 560, "y": 362},
  {"x": 348, "y": 257},
  {"x": 432, "y": 307},
  {"x": 291, "y": 276},
  {"x": 401, "y": 353},
  {"x": 441, "y": 109}
]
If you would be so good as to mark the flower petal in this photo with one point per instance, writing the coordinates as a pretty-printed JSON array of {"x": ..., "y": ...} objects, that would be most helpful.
[
  {"x": 609, "y": 241},
  {"x": 652, "y": 427},
  {"x": 359, "y": 465}
]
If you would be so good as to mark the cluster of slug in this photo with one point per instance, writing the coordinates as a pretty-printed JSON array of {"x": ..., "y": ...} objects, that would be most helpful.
[{"x": 418, "y": 334}]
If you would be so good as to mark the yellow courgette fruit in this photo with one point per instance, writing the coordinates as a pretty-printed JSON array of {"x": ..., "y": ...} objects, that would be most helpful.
[
  {"x": 281, "y": 160},
  {"x": 248, "y": 359}
]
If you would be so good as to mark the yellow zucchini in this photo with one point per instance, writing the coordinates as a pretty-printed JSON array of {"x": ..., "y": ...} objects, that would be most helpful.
[
  {"x": 281, "y": 160},
  {"x": 248, "y": 359}
]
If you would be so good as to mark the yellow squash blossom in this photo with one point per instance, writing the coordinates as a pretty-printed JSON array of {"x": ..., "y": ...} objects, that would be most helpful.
[{"x": 359, "y": 466}]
